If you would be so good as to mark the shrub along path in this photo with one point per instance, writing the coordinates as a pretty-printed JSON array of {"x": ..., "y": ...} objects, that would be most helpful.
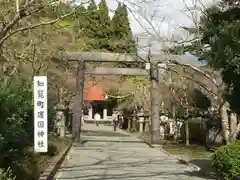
[
  {"x": 36, "y": 163},
  {"x": 114, "y": 155}
]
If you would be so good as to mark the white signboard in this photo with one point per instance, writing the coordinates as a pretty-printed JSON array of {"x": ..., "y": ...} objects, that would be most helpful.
[{"x": 40, "y": 114}]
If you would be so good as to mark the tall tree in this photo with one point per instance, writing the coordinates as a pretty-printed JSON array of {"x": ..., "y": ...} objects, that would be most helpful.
[
  {"x": 218, "y": 45},
  {"x": 92, "y": 6},
  {"x": 122, "y": 38},
  {"x": 104, "y": 31},
  {"x": 92, "y": 17},
  {"x": 81, "y": 31}
]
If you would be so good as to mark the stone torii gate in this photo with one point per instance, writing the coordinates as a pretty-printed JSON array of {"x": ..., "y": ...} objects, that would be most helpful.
[{"x": 153, "y": 72}]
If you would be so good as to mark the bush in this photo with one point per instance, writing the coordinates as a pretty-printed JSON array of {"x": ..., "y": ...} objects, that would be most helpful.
[
  {"x": 52, "y": 150},
  {"x": 226, "y": 161},
  {"x": 16, "y": 114},
  {"x": 16, "y": 124},
  {"x": 7, "y": 174}
]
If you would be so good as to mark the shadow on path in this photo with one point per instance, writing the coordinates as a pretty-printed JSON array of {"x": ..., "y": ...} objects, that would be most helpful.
[
  {"x": 103, "y": 133},
  {"x": 108, "y": 155}
]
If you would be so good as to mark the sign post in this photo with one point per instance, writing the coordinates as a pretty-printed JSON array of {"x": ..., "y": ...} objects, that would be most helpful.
[{"x": 40, "y": 114}]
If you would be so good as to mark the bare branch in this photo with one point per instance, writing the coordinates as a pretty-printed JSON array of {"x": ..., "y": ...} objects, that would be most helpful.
[
  {"x": 196, "y": 81},
  {"x": 33, "y": 27},
  {"x": 196, "y": 70}
]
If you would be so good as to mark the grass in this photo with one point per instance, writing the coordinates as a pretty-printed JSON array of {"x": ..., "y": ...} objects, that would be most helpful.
[
  {"x": 34, "y": 164},
  {"x": 193, "y": 153}
]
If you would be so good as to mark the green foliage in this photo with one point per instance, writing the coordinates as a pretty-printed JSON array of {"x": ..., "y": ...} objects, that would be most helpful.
[
  {"x": 92, "y": 6},
  {"x": 94, "y": 30},
  {"x": 139, "y": 81},
  {"x": 7, "y": 174},
  {"x": 217, "y": 42},
  {"x": 226, "y": 161},
  {"x": 122, "y": 39},
  {"x": 16, "y": 113},
  {"x": 16, "y": 122},
  {"x": 104, "y": 30},
  {"x": 220, "y": 30},
  {"x": 16, "y": 116},
  {"x": 92, "y": 18}
]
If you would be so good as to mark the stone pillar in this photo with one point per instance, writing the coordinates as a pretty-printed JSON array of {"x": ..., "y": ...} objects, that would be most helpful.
[
  {"x": 141, "y": 121},
  {"x": 162, "y": 129},
  {"x": 62, "y": 126},
  {"x": 105, "y": 113},
  {"x": 134, "y": 119},
  {"x": 129, "y": 123},
  {"x": 60, "y": 121},
  {"x": 90, "y": 113},
  {"x": 147, "y": 124},
  {"x": 171, "y": 130}
]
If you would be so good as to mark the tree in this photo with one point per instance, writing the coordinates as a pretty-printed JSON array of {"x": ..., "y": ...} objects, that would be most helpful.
[
  {"x": 91, "y": 29},
  {"x": 104, "y": 30},
  {"x": 18, "y": 18},
  {"x": 217, "y": 41},
  {"x": 122, "y": 39},
  {"x": 219, "y": 28},
  {"x": 27, "y": 49}
]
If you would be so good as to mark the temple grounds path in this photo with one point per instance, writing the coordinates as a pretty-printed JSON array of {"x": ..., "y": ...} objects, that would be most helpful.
[{"x": 109, "y": 155}]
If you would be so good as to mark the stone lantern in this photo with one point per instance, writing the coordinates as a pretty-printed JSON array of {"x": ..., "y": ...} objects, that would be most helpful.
[
  {"x": 141, "y": 119},
  {"x": 147, "y": 122},
  {"x": 133, "y": 121},
  {"x": 60, "y": 119}
]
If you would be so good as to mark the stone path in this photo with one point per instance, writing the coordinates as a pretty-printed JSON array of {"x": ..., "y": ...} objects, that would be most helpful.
[{"x": 109, "y": 155}]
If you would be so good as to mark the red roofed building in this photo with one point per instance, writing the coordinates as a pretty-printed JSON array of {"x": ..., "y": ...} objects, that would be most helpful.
[
  {"x": 94, "y": 93},
  {"x": 94, "y": 101}
]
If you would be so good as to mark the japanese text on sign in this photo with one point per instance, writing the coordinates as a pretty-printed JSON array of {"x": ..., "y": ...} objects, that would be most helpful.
[{"x": 40, "y": 114}]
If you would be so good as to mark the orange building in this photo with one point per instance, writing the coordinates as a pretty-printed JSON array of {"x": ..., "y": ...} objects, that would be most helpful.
[{"x": 95, "y": 101}]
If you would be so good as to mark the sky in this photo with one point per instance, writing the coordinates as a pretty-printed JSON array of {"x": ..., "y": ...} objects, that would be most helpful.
[
  {"x": 158, "y": 22},
  {"x": 165, "y": 15}
]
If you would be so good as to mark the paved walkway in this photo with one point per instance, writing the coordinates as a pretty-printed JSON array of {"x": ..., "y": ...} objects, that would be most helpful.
[{"x": 108, "y": 155}]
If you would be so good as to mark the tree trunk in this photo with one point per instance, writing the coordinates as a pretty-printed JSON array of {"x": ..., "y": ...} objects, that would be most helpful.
[
  {"x": 234, "y": 127},
  {"x": 79, "y": 98},
  {"x": 61, "y": 107},
  {"x": 129, "y": 124},
  {"x": 175, "y": 125},
  {"x": 186, "y": 132},
  {"x": 225, "y": 122},
  {"x": 155, "y": 123}
]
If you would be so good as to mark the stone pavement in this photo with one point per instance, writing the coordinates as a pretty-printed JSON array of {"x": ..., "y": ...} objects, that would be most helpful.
[{"x": 111, "y": 155}]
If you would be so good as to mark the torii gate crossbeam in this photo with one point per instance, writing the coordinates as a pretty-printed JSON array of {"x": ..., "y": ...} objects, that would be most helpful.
[{"x": 82, "y": 57}]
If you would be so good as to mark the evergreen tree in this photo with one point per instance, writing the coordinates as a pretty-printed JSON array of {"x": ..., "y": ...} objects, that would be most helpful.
[
  {"x": 92, "y": 18},
  {"x": 81, "y": 21},
  {"x": 122, "y": 38},
  {"x": 92, "y": 6},
  {"x": 104, "y": 30}
]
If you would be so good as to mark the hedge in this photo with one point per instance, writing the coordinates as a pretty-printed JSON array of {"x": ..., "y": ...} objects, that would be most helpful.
[{"x": 226, "y": 161}]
